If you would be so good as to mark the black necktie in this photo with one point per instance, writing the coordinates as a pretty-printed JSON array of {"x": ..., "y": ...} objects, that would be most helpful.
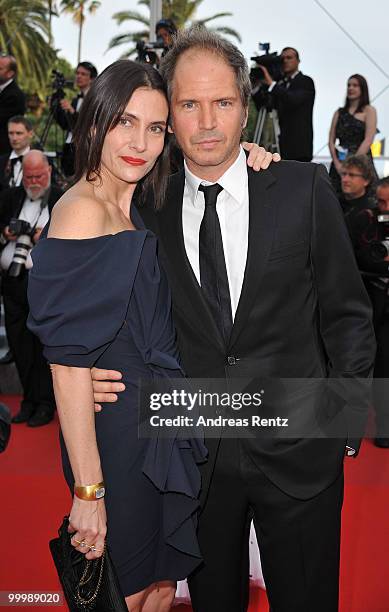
[
  {"x": 12, "y": 163},
  {"x": 213, "y": 272}
]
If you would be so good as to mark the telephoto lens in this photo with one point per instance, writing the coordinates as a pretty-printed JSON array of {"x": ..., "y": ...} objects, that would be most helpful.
[{"x": 23, "y": 247}]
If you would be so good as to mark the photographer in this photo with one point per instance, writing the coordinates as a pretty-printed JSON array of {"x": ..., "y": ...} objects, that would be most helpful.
[
  {"x": 293, "y": 97},
  {"x": 24, "y": 211},
  {"x": 371, "y": 243},
  {"x": 66, "y": 112},
  {"x": 164, "y": 31},
  {"x": 153, "y": 52}
]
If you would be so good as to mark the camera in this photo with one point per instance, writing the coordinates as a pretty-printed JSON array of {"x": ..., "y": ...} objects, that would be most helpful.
[
  {"x": 271, "y": 61},
  {"x": 379, "y": 249},
  {"x": 58, "y": 83},
  {"x": 147, "y": 50},
  {"x": 19, "y": 227},
  {"x": 24, "y": 231}
]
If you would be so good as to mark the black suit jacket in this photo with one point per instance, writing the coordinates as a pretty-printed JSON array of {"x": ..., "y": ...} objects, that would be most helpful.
[
  {"x": 67, "y": 120},
  {"x": 4, "y": 178},
  {"x": 295, "y": 106},
  {"x": 303, "y": 310},
  {"x": 12, "y": 200},
  {"x": 12, "y": 102}
]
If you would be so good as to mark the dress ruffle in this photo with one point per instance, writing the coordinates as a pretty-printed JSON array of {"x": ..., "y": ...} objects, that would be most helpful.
[{"x": 79, "y": 293}]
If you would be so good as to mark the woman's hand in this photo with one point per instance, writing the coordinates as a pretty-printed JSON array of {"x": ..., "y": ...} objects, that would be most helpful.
[
  {"x": 88, "y": 524},
  {"x": 259, "y": 158}
]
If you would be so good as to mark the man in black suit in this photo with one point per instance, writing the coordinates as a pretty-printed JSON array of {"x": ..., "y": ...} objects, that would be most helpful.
[
  {"x": 293, "y": 98},
  {"x": 12, "y": 100},
  {"x": 66, "y": 112},
  {"x": 32, "y": 202},
  {"x": 264, "y": 284},
  {"x": 20, "y": 135},
  {"x": 368, "y": 226}
]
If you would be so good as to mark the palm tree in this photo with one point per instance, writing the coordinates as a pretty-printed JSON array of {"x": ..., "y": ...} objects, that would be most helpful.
[
  {"x": 53, "y": 10},
  {"x": 24, "y": 32},
  {"x": 182, "y": 12},
  {"x": 78, "y": 9}
]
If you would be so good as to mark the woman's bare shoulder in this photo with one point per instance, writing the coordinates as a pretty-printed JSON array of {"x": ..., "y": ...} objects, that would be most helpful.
[
  {"x": 370, "y": 109},
  {"x": 77, "y": 214}
]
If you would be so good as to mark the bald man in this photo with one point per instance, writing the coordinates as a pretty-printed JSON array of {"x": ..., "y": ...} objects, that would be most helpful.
[{"x": 24, "y": 211}]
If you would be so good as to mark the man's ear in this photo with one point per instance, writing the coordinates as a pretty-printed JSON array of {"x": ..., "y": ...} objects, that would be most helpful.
[{"x": 170, "y": 129}]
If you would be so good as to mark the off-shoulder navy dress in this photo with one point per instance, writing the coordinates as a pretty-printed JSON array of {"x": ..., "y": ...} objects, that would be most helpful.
[{"x": 105, "y": 301}]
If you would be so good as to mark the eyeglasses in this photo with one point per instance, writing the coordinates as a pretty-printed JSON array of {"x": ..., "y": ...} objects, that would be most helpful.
[{"x": 350, "y": 174}]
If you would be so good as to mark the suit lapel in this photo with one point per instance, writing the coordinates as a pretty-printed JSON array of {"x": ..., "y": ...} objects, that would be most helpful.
[
  {"x": 261, "y": 228},
  {"x": 172, "y": 237}
]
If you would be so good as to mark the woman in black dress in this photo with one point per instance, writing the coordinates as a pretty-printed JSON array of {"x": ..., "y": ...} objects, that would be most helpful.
[
  {"x": 353, "y": 128},
  {"x": 98, "y": 297}
]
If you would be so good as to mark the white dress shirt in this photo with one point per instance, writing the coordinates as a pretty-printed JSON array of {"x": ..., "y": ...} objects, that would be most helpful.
[
  {"x": 233, "y": 211},
  {"x": 4, "y": 85},
  {"x": 16, "y": 179},
  {"x": 290, "y": 78},
  {"x": 80, "y": 100},
  {"x": 31, "y": 212}
]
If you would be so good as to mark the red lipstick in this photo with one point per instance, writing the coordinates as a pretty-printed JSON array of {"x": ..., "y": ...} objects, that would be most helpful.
[{"x": 133, "y": 161}]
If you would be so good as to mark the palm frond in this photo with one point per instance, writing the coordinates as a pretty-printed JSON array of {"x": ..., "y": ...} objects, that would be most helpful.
[{"x": 123, "y": 16}]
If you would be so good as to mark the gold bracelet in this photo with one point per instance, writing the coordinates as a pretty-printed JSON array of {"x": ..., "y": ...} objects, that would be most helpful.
[{"x": 90, "y": 492}]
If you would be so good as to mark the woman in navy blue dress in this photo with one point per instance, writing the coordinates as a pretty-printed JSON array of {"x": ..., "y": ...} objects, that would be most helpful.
[{"x": 98, "y": 297}]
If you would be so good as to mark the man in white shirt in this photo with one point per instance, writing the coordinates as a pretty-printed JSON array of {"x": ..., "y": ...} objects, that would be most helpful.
[
  {"x": 24, "y": 211},
  {"x": 293, "y": 98},
  {"x": 264, "y": 284},
  {"x": 66, "y": 113},
  {"x": 20, "y": 134}
]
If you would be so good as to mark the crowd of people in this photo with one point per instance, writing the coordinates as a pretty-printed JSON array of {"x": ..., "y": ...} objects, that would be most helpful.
[{"x": 132, "y": 252}]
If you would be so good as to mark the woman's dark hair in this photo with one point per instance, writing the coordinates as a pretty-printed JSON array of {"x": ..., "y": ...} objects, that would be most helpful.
[
  {"x": 364, "y": 100},
  {"x": 102, "y": 108}
]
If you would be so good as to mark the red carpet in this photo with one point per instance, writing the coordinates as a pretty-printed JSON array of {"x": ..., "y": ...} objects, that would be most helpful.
[{"x": 34, "y": 500}]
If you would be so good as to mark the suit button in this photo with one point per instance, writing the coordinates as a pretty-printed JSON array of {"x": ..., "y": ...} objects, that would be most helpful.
[{"x": 232, "y": 360}]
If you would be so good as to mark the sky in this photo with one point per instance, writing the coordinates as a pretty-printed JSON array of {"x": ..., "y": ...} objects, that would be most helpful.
[{"x": 327, "y": 55}]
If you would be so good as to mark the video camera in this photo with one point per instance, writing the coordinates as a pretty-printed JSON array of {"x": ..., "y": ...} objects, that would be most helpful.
[
  {"x": 271, "y": 61},
  {"x": 58, "y": 83},
  {"x": 147, "y": 50},
  {"x": 379, "y": 249}
]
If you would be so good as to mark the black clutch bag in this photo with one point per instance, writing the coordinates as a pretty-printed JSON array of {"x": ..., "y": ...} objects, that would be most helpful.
[{"x": 87, "y": 585}]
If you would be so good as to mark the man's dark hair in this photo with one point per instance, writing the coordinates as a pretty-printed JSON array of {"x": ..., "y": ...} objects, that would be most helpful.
[
  {"x": 198, "y": 37},
  {"x": 291, "y": 49},
  {"x": 23, "y": 120},
  {"x": 167, "y": 24},
  {"x": 362, "y": 163},
  {"x": 383, "y": 182},
  {"x": 90, "y": 67},
  {"x": 365, "y": 98},
  {"x": 101, "y": 111}
]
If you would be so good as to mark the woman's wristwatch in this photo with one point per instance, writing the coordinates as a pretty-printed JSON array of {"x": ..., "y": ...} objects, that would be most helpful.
[{"x": 90, "y": 492}]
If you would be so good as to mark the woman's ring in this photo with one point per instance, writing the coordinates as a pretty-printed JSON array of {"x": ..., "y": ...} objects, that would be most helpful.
[
  {"x": 94, "y": 549},
  {"x": 80, "y": 543}
]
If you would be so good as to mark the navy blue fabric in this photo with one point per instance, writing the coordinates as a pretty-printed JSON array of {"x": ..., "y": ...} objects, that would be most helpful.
[{"x": 105, "y": 301}]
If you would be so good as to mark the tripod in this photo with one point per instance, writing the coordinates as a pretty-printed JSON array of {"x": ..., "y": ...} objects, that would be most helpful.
[
  {"x": 58, "y": 174},
  {"x": 267, "y": 129}
]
